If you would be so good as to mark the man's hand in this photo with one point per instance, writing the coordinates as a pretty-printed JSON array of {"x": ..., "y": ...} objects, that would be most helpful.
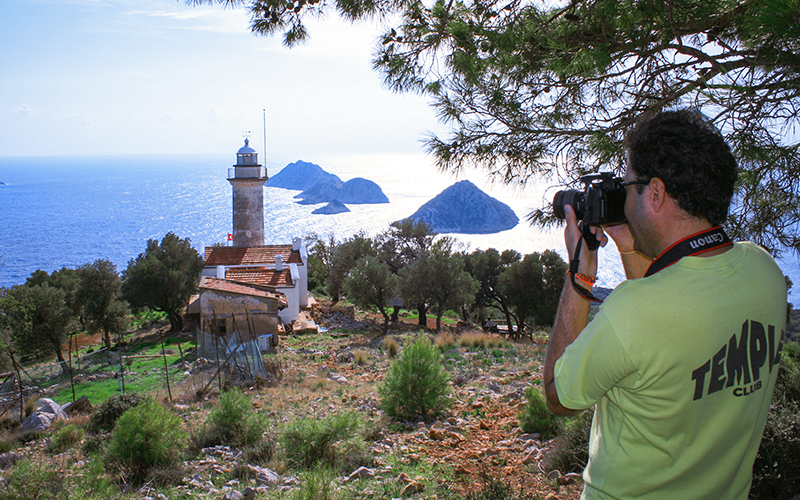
[
  {"x": 572, "y": 234},
  {"x": 634, "y": 263}
]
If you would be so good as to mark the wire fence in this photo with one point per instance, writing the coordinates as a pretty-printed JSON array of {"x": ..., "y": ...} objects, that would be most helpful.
[{"x": 159, "y": 368}]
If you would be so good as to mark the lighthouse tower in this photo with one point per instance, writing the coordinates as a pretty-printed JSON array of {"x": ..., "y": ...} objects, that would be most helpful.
[{"x": 247, "y": 178}]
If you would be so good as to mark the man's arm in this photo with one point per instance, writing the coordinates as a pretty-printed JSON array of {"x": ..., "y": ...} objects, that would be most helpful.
[
  {"x": 573, "y": 311},
  {"x": 570, "y": 321}
]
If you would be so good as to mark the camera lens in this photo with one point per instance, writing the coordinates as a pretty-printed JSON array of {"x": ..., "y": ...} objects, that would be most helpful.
[{"x": 571, "y": 197}]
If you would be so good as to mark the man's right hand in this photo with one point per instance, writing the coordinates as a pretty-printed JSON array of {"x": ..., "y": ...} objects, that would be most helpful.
[{"x": 635, "y": 263}]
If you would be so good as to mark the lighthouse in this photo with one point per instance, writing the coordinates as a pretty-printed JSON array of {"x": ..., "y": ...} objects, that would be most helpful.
[{"x": 247, "y": 178}]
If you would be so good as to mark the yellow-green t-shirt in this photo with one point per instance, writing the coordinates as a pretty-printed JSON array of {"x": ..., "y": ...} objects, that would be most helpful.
[{"x": 681, "y": 366}]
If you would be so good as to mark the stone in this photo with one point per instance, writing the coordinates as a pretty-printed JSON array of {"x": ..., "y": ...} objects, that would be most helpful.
[
  {"x": 568, "y": 478},
  {"x": 81, "y": 405},
  {"x": 37, "y": 422},
  {"x": 361, "y": 473},
  {"x": 404, "y": 478},
  {"x": 233, "y": 495},
  {"x": 9, "y": 459},
  {"x": 412, "y": 488},
  {"x": 437, "y": 434},
  {"x": 46, "y": 405},
  {"x": 249, "y": 493},
  {"x": 265, "y": 476}
]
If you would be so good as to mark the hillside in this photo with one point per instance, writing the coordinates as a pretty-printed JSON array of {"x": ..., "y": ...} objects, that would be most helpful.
[{"x": 338, "y": 371}]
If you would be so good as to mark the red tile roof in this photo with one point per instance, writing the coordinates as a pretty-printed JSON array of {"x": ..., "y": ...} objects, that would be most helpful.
[
  {"x": 251, "y": 256},
  {"x": 259, "y": 276},
  {"x": 209, "y": 283}
]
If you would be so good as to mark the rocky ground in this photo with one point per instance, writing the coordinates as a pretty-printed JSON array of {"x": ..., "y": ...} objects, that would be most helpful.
[{"x": 338, "y": 370}]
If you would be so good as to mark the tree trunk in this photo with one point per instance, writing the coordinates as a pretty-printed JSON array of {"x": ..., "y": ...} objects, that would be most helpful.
[
  {"x": 422, "y": 310},
  {"x": 385, "y": 320},
  {"x": 396, "y": 314},
  {"x": 175, "y": 322},
  {"x": 107, "y": 338},
  {"x": 509, "y": 323},
  {"x": 62, "y": 362}
]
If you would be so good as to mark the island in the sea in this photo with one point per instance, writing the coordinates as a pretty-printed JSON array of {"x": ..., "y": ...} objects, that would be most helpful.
[
  {"x": 318, "y": 186},
  {"x": 463, "y": 208}
]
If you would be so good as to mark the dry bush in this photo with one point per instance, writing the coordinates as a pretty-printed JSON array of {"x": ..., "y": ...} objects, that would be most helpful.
[
  {"x": 444, "y": 341},
  {"x": 480, "y": 340},
  {"x": 391, "y": 346}
]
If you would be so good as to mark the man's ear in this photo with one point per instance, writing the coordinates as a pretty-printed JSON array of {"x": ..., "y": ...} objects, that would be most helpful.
[{"x": 657, "y": 196}]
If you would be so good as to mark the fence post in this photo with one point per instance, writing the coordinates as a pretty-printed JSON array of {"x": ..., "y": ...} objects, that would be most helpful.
[
  {"x": 71, "y": 376},
  {"x": 19, "y": 382},
  {"x": 121, "y": 367},
  {"x": 166, "y": 367}
]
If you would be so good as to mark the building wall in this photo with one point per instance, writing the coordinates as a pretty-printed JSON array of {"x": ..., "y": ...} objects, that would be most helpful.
[{"x": 248, "y": 317}]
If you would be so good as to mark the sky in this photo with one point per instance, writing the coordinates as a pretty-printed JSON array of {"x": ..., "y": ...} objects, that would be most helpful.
[{"x": 100, "y": 77}]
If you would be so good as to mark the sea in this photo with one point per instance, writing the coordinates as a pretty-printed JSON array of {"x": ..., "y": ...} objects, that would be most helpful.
[{"x": 68, "y": 211}]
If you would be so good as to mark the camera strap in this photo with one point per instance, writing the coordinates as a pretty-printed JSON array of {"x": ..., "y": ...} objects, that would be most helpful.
[{"x": 704, "y": 241}]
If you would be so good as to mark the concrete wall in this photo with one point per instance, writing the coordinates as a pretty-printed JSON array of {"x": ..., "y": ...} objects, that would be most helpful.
[{"x": 247, "y": 316}]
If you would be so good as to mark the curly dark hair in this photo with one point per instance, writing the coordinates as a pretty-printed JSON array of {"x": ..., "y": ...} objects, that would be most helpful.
[{"x": 683, "y": 149}]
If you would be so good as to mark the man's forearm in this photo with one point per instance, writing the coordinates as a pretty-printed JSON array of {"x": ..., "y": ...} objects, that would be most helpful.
[{"x": 573, "y": 311}]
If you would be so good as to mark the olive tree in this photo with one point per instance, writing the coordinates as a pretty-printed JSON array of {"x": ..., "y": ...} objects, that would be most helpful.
[{"x": 163, "y": 277}]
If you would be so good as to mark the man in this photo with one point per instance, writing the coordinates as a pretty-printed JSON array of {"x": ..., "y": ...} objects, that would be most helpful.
[{"x": 681, "y": 359}]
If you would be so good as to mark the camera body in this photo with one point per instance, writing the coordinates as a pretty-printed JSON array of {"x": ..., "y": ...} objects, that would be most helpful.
[{"x": 601, "y": 203}]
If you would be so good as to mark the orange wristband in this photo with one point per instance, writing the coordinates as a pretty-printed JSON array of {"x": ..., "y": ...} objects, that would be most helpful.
[{"x": 583, "y": 278}]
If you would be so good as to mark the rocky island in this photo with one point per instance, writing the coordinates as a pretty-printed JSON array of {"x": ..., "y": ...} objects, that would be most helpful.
[
  {"x": 319, "y": 186},
  {"x": 463, "y": 208}
]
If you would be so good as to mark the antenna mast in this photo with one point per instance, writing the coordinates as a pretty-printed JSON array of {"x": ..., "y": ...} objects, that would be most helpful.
[{"x": 265, "y": 142}]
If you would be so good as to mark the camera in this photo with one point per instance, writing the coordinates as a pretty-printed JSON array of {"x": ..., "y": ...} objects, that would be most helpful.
[{"x": 601, "y": 203}]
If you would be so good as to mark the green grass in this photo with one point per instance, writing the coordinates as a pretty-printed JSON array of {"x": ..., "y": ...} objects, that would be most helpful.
[{"x": 148, "y": 377}]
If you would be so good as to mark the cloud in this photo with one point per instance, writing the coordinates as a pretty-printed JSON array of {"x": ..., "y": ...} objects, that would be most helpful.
[
  {"x": 209, "y": 20},
  {"x": 24, "y": 111}
]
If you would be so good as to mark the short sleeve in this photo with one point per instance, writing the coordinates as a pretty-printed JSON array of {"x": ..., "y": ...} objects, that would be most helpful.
[{"x": 594, "y": 363}]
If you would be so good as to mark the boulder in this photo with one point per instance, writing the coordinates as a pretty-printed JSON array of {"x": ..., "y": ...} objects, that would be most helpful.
[
  {"x": 46, "y": 411},
  {"x": 81, "y": 405}
]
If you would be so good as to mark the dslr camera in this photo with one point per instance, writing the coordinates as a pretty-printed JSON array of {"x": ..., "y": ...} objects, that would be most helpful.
[{"x": 601, "y": 203}]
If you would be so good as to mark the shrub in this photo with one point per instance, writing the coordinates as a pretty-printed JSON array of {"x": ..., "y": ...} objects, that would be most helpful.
[
  {"x": 570, "y": 452},
  {"x": 332, "y": 442},
  {"x": 360, "y": 357},
  {"x": 33, "y": 479},
  {"x": 481, "y": 341},
  {"x": 416, "y": 385},
  {"x": 535, "y": 417},
  {"x": 106, "y": 415},
  {"x": 232, "y": 423},
  {"x": 391, "y": 346},
  {"x": 65, "y": 438},
  {"x": 145, "y": 437},
  {"x": 444, "y": 341},
  {"x": 775, "y": 471},
  {"x": 318, "y": 484}
]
